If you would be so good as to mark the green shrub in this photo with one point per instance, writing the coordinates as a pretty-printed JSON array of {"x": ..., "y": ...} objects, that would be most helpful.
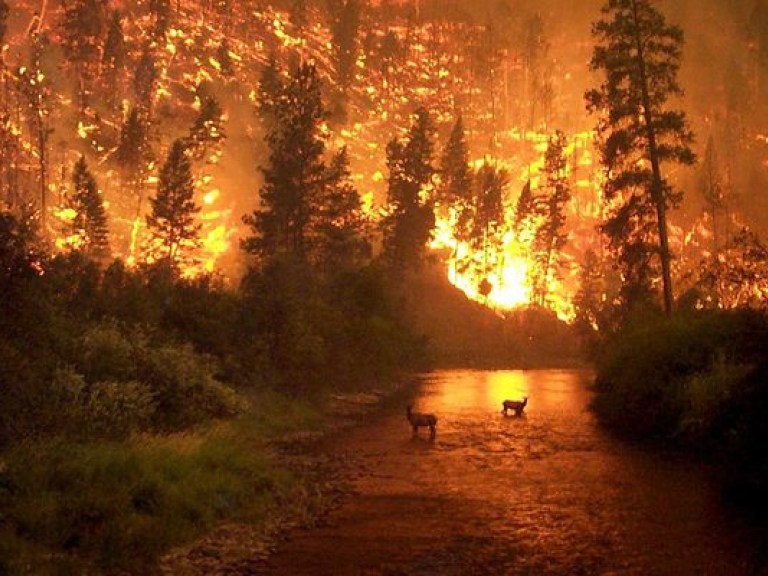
[
  {"x": 76, "y": 410},
  {"x": 184, "y": 387},
  {"x": 655, "y": 375}
]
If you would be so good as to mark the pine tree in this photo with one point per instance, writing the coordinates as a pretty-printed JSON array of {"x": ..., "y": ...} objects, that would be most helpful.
[
  {"x": 144, "y": 80},
  {"x": 36, "y": 92},
  {"x": 456, "y": 178},
  {"x": 295, "y": 177},
  {"x": 160, "y": 12},
  {"x": 489, "y": 188},
  {"x": 524, "y": 222},
  {"x": 132, "y": 149},
  {"x": 172, "y": 222},
  {"x": 90, "y": 221},
  {"x": 113, "y": 58},
  {"x": 550, "y": 205},
  {"x": 271, "y": 89},
  {"x": 341, "y": 225},
  {"x": 226, "y": 67},
  {"x": 535, "y": 60},
  {"x": 207, "y": 130},
  {"x": 344, "y": 29},
  {"x": 639, "y": 54},
  {"x": 299, "y": 17},
  {"x": 345, "y": 25},
  {"x": 410, "y": 221},
  {"x": 82, "y": 30}
]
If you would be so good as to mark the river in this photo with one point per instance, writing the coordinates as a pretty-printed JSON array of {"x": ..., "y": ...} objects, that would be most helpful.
[{"x": 545, "y": 493}]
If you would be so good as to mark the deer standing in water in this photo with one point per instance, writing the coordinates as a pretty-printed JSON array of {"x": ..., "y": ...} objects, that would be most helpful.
[
  {"x": 514, "y": 405},
  {"x": 418, "y": 420}
]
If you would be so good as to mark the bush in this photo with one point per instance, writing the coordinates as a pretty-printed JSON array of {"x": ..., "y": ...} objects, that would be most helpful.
[
  {"x": 657, "y": 377},
  {"x": 184, "y": 387},
  {"x": 74, "y": 409}
]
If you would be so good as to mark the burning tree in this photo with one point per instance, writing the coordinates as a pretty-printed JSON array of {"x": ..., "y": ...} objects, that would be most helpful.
[
  {"x": 409, "y": 223},
  {"x": 455, "y": 190},
  {"x": 550, "y": 206},
  {"x": 113, "y": 57},
  {"x": 207, "y": 129},
  {"x": 37, "y": 95},
  {"x": 344, "y": 25},
  {"x": 639, "y": 54},
  {"x": 172, "y": 221},
  {"x": 88, "y": 225},
  {"x": 487, "y": 219},
  {"x": 82, "y": 28}
]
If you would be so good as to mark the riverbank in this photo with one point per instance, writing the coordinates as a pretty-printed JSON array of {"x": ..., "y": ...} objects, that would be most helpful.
[
  {"x": 209, "y": 501},
  {"x": 697, "y": 382},
  {"x": 319, "y": 483}
]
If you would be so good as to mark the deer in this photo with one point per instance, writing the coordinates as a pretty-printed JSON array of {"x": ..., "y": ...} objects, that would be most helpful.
[
  {"x": 419, "y": 420},
  {"x": 515, "y": 405}
]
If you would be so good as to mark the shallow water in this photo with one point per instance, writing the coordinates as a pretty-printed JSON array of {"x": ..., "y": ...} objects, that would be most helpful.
[{"x": 544, "y": 493}]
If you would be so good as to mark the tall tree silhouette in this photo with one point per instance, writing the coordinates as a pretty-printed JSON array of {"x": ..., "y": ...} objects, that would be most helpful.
[
  {"x": 410, "y": 221},
  {"x": 340, "y": 227},
  {"x": 172, "y": 223},
  {"x": 551, "y": 203},
  {"x": 455, "y": 191},
  {"x": 295, "y": 178},
  {"x": 639, "y": 55},
  {"x": 489, "y": 188},
  {"x": 207, "y": 129},
  {"x": 90, "y": 220},
  {"x": 82, "y": 30}
]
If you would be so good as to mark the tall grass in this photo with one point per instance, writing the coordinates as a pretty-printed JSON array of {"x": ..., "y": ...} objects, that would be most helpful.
[{"x": 105, "y": 505}]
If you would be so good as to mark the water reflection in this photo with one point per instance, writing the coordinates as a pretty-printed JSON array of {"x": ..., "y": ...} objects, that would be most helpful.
[{"x": 547, "y": 494}]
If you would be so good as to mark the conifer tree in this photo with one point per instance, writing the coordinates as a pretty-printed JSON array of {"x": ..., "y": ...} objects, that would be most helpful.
[
  {"x": 90, "y": 221},
  {"x": 294, "y": 180},
  {"x": 271, "y": 89},
  {"x": 410, "y": 221},
  {"x": 525, "y": 214},
  {"x": 550, "y": 206},
  {"x": 299, "y": 17},
  {"x": 82, "y": 30},
  {"x": 226, "y": 67},
  {"x": 132, "y": 148},
  {"x": 345, "y": 25},
  {"x": 537, "y": 67},
  {"x": 144, "y": 80},
  {"x": 36, "y": 92},
  {"x": 456, "y": 178},
  {"x": 171, "y": 223},
  {"x": 489, "y": 188},
  {"x": 207, "y": 130},
  {"x": 160, "y": 12},
  {"x": 341, "y": 225},
  {"x": 113, "y": 58},
  {"x": 639, "y": 55}
]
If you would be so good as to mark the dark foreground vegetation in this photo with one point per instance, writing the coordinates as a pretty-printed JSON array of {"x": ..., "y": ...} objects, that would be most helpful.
[
  {"x": 697, "y": 381},
  {"x": 139, "y": 410}
]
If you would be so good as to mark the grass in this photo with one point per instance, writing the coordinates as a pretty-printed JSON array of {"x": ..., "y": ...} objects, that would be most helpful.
[{"x": 89, "y": 508}]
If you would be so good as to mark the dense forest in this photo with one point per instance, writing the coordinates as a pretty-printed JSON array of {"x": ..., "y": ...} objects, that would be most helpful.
[{"x": 211, "y": 210}]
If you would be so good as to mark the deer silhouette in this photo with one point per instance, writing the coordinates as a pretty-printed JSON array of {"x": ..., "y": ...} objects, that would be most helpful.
[
  {"x": 419, "y": 420},
  {"x": 515, "y": 405}
]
